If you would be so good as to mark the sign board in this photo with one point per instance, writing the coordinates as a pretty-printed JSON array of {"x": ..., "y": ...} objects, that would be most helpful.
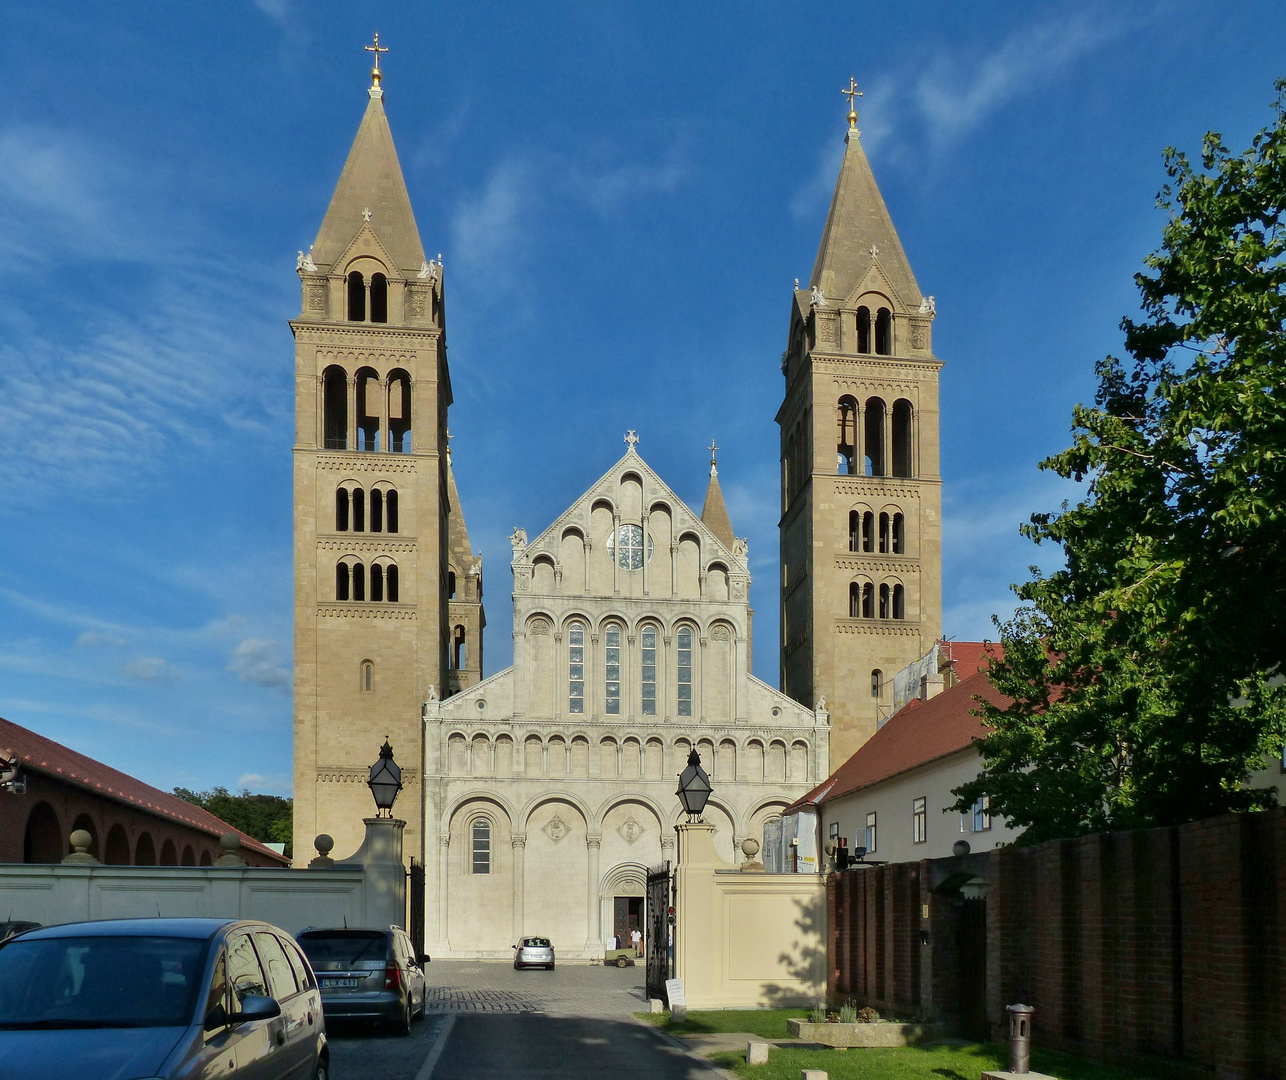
[{"x": 674, "y": 993}]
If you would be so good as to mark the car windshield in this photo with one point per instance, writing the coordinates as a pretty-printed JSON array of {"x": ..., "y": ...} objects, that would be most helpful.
[
  {"x": 79, "y": 982},
  {"x": 537, "y": 942},
  {"x": 343, "y": 946}
]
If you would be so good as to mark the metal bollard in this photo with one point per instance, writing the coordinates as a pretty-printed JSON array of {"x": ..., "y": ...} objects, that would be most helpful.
[{"x": 1020, "y": 1038}]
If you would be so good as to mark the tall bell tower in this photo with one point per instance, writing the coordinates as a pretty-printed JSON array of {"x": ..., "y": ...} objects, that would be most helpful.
[
  {"x": 371, "y": 496},
  {"x": 861, "y": 524}
]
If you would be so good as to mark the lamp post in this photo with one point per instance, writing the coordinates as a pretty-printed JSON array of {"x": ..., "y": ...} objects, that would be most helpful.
[
  {"x": 385, "y": 781},
  {"x": 694, "y": 788}
]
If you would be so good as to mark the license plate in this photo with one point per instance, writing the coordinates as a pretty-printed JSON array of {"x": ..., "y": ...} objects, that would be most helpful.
[{"x": 327, "y": 983}]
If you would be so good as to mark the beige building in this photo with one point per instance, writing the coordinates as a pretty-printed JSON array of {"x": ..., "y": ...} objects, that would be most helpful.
[
  {"x": 373, "y": 498},
  {"x": 550, "y": 786},
  {"x": 861, "y": 531}
]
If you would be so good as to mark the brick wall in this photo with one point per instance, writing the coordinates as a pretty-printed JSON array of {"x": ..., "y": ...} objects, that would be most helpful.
[{"x": 1161, "y": 942}]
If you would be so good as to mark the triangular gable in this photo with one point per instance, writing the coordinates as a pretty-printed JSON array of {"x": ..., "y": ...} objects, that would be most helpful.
[
  {"x": 875, "y": 280},
  {"x": 366, "y": 238}
]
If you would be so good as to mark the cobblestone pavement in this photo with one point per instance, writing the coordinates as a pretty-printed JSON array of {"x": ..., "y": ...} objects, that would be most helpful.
[{"x": 571, "y": 989}]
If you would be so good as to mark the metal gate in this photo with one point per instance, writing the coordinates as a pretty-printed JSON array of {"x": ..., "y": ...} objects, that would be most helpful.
[
  {"x": 660, "y": 931},
  {"x": 972, "y": 944},
  {"x": 415, "y": 900}
]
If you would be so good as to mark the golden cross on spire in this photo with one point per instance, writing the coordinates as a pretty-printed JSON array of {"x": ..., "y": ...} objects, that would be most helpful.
[
  {"x": 712, "y": 448},
  {"x": 376, "y": 49},
  {"x": 852, "y": 93}
]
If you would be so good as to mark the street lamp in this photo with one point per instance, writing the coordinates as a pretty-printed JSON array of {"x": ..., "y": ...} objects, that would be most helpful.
[
  {"x": 694, "y": 788},
  {"x": 385, "y": 781}
]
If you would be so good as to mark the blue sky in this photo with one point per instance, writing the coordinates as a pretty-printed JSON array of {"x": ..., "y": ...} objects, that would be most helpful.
[{"x": 623, "y": 195}]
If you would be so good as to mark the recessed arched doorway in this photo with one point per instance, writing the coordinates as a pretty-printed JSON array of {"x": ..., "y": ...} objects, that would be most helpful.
[{"x": 43, "y": 840}]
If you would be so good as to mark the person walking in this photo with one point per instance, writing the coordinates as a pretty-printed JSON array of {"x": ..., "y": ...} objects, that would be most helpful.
[{"x": 637, "y": 939}]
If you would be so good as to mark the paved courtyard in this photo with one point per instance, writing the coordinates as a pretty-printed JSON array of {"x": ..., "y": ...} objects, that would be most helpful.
[{"x": 572, "y": 989}]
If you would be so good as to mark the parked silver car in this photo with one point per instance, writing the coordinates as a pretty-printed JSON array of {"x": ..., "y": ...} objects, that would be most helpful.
[
  {"x": 534, "y": 952},
  {"x": 371, "y": 975},
  {"x": 167, "y": 998}
]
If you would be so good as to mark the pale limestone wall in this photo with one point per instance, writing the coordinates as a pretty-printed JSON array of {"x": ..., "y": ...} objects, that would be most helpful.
[
  {"x": 747, "y": 939},
  {"x": 580, "y": 804},
  {"x": 892, "y": 802}
]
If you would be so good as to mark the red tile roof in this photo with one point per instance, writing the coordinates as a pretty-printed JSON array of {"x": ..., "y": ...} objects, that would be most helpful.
[
  {"x": 918, "y": 733},
  {"x": 55, "y": 760}
]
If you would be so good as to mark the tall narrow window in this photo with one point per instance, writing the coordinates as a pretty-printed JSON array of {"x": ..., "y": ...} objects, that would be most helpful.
[
  {"x": 899, "y": 534},
  {"x": 576, "y": 669},
  {"x": 854, "y": 600},
  {"x": 902, "y": 438},
  {"x": 647, "y": 641},
  {"x": 399, "y": 412},
  {"x": 390, "y": 583},
  {"x": 885, "y": 534},
  {"x": 377, "y": 583},
  {"x": 335, "y": 408},
  {"x": 868, "y": 601},
  {"x": 341, "y": 510},
  {"x": 450, "y": 584},
  {"x": 846, "y": 449},
  {"x": 379, "y": 298},
  {"x": 877, "y": 682},
  {"x": 884, "y": 332},
  {"x": 390, "y": 510},
  {"x": 874, "y": 438},
  {"x": 884, "y": 602},
  {"x": 919, "y": 821},
  {"x": 854, "y": 531},
  {"x": 341, "y": 581},
  {"x": 377, "y": 511},
  {"x": 359, "y": 581},
  {"x": 460, "y": 657},
  {"x": 982, "y": 814},
  {"x": 356, "y": 297},
  {"x": 870, "y": 833},
  {"x": 863, "y": 329},
  {"x": 612, "y": 670},
  {"x": 899, "y": 602},
  {"x": 684, "y": 640},
  {"x": 481, "y": 846},
  {"x": 368, "y": 675},
  {"x": 359, "y": 510},
  {"x": 868, "y": 531}
]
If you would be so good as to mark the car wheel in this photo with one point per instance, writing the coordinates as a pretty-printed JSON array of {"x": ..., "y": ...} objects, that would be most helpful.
[
  {"x": 550, "y": 968},
  {"x": 622, "y": 962},
  {"x": 403, "y": 1025},
  {"x": 424, "y": 1004},
  {"x": 321, "y": 1072}
]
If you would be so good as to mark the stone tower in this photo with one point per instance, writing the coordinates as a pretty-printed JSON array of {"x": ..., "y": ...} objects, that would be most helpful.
[
  {"x": 464, "y": 593},
  {"x": 371, "y": 497},
  {"x": 861, "y": 537}
]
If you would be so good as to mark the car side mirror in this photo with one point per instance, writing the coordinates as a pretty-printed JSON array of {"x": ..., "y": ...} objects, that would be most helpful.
[
  {"x": 255, "y": 1007},
  {"x": 421, "y": 958}
]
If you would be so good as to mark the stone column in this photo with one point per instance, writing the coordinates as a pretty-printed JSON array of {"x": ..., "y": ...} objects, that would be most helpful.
[
  {"x": 560, "y": 675},
  {"x": 668, "y": 676},
  {"x": 674, "y": 568},
  {"x": 519, "y": 843},
  {"x": 588, "y": 545},
  {"x": 386, "y": 440},
  {"x": 700, "y": 709},
  {"x": 593, "y": 670},
  {"x": 859, "y": 439},
  {"x": 888, "y": 439},
  {"x": 616, "y": 554},
  {"x": 350, "y": 441},
  {"x": 593, "y": 934},
  {"x": 444, "y": 864}
]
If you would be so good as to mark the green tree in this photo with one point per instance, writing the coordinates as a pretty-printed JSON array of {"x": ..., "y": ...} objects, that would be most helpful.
[
  {"x": 1145, "y": 675},
  {"x": 267, "y": 818}
]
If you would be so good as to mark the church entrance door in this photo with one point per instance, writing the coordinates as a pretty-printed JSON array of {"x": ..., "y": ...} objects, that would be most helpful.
[{"x": 627, "y": 917}]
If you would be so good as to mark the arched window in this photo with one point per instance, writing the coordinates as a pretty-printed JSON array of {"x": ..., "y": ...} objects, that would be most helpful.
[
  {"x": 854, "y": 600},
  {"x": 884, "y": 332},
  {"x": 854, "y": 530},
  {"x": 356, "y": 297},
  {"x": 341, "y": 509},
  {"x": 359, "y": 581},
  {"x": 874, "y": 437},
  {"x": 884, "y": 602},
  {"x": 359, "y": 510},
  {"x": 846, "y": 447},
  {"x": 899, "y": 534},
  {"x": 868, "y": 531},
  {"x": 684, "y": 640},
  {"x": 612, "y": 670},
  {"x": 885, "y": 535},
  {"x": 369, "y": 390},
  {"x": 899, "y": 602},
  {"x": 145, "y": 851},
  {"x": 116, "y": 852},
  {"x": 868, "y": 601},
  {"x": 43, "y": 840},
  {"x": 877, "y": 682},
  {"x": 367, "y": 683},
  {"x": 481, "y": 846},
  {"x": 864, "y": 330},
  {"x": 647, "y": 644},
  {"x": 902, "y": 437},
  {"x": 341, "y": 581},
  {"x": 459, "y": 649},
  {"x": 576, "y": 668},
  {"x": 377, "y": 583},
  {"x": 390, "y": 510},
  {"x": 377, "y": 510},
  {"x": 450, "y": 584},
  {"x": 399, "y": 412},
  {"x": 379, "y": 298},
  {"x": 390, "y": 582},
  {"x": 335, "y": 409}
]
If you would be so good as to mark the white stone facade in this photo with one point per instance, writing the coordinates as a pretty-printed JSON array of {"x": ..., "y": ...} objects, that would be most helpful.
[{"x": 550, "y": 787}]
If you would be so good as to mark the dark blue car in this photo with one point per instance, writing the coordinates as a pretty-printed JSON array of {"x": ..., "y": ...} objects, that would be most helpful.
[{"x": 167, "y": 998}]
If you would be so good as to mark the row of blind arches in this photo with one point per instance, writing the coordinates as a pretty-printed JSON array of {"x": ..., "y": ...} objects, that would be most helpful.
[
  {"x": 377, "y": 583},
  {"x": 351, "y": 505}
]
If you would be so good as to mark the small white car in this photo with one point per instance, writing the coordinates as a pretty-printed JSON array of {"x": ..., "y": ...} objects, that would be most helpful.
[{"x": 534, "y": 952}]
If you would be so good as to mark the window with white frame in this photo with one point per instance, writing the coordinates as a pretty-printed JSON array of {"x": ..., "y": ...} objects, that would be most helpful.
[
  {"x": 576, "y": 668},
  {"x": 647, "y": 642},
  {"x": 919, "y": 821},
  {"x": 870, "y": 832},
  {"x": 685, "y": 671},
  {"x": 612, "y": 670},
  {"x": 982, "y": 814},
  {"x": 481, "y": 846}
]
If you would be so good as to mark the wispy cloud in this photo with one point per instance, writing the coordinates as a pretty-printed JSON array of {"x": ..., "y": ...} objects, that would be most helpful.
[
  {"x": 259, "y": 661},
  {"x": 151, "y": 669},
  {"x": 95, "y": 639},
  {"x": 269, "y": 784}
]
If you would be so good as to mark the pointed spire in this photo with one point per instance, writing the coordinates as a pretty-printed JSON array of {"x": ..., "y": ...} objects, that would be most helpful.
[
  {"x": 457, "y": 532},
  {"x": 859, "y": 231},
  {"x": 371, "y": 181},
  {"x": 714, "y": 512}
]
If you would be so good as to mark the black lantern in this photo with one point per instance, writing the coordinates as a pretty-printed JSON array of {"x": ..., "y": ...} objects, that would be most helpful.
[
  {"x": 694, "y": 787},
  {"x": 385, "y": 781}
]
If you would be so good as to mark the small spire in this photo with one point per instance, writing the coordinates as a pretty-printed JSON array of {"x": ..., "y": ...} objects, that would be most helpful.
[
  {"x": 713, "y": 448},
  {"x": 377, "y": 48},
  {"x": 852, "y": 93}
]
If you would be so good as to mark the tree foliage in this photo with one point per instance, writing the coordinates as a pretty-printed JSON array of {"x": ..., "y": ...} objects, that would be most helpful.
[
  {"x": 267, "y": 818},
  {"x": 1146, "y": 675}
]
